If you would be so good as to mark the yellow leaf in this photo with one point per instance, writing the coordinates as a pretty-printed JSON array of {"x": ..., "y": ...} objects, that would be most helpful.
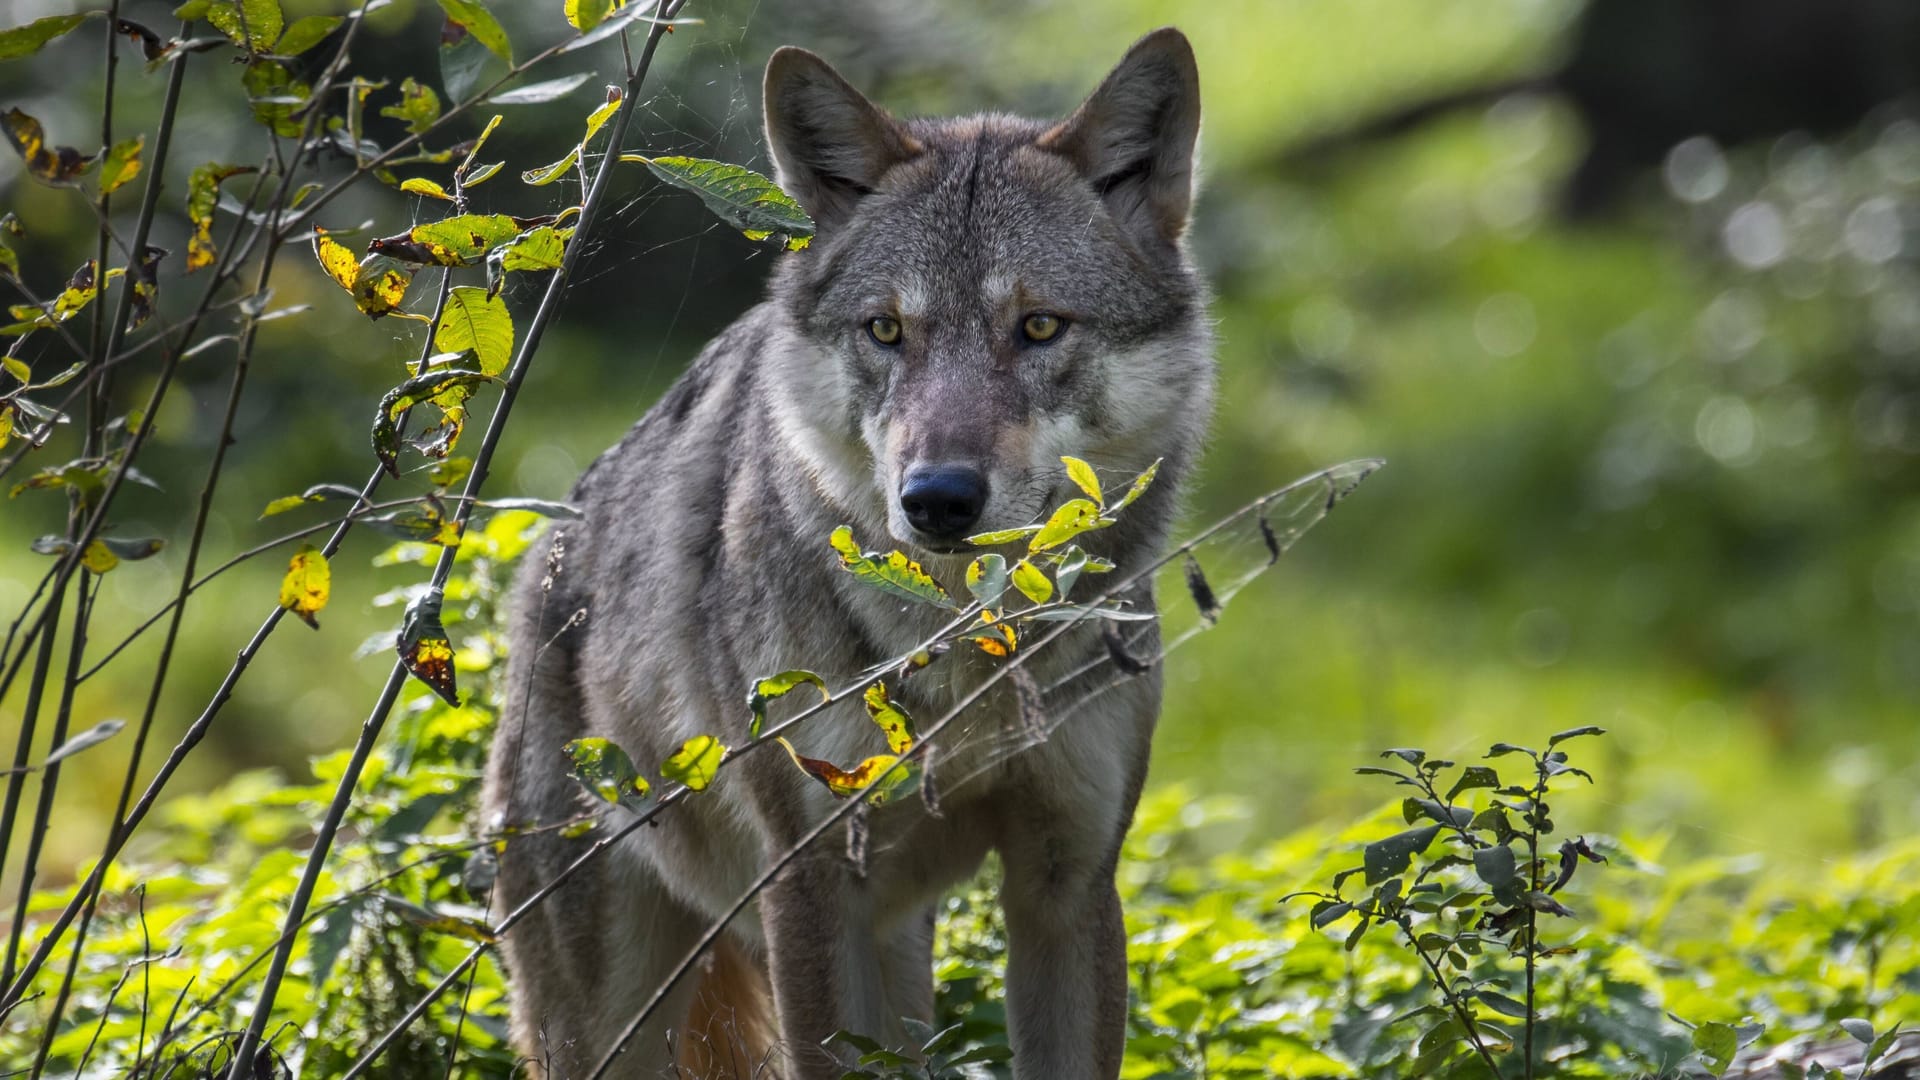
[
  {"x": 336, "y": 259},
  {"x": 308, "y": 583},
  {"x": 584, "y": 15},
  {"x": 1032, "y": 582},
  {"x": 892, "y": 572},
  {"x": 999, "y": 639},
  {"x": 121, "y": 164},
  {"x": 98, "y": 558},
  {"x": 844, "y": 782},
  {"x": 773, "y": 686},
  {"x": 1082, "y": 474},
  {"x": 422, "y": 186},
  {"x": 1140, "y": 485}
]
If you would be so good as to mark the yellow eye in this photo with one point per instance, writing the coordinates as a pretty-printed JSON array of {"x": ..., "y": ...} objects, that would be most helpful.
[
  {"x": 1042, "y": 328},
  {"x": 884, "y": 330}
]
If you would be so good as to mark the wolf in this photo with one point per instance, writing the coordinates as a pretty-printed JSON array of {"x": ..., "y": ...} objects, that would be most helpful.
[{"x": 983, "y": 295}]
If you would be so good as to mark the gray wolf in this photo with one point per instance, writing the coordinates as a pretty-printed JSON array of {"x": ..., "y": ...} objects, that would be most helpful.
[{"x": 984, "y": 295}]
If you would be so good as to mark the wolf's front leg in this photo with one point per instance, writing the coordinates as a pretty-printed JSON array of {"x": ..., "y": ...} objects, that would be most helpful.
[
  {"x": 1066, "y": 964},
  {"x": 826, "y": 968}
]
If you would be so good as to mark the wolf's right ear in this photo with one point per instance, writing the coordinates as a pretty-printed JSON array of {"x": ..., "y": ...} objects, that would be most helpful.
[{"x": 830, "y": 144}]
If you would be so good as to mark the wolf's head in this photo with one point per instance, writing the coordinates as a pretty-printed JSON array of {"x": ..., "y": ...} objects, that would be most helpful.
[{"x": 988, "y": 293}]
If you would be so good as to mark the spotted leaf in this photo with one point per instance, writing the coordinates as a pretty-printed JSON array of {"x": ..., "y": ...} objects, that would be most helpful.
[
  {"x": 892, "y": 572},
  {"x": 1075, "y": 516},
  {"x": 893, "y": 719},
  {"x": 877, "y": 775},
  {"x": 203, "y": 193},
  {"x": 424, "y": 648},
  {"x": 121, "y": 163},
  {"x": 49, "y": 165},
  {"x": 307, "y": 585}
]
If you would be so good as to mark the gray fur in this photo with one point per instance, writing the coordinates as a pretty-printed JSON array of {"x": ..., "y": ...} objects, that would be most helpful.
[{"x": 702, "y": 564}]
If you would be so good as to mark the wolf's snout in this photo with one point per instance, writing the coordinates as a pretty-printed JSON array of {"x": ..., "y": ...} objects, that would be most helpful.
[{"x": 943, "y": 501}]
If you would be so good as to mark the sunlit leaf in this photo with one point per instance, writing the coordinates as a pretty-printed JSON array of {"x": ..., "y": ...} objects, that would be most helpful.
[
  {"x": 1002, "y": 536},
  {"x": 56, "y": 165},
  {"x": 695, "y": 763},
  {"x": 458, "y": 240},
  {"x": 304, "y": 33},
  {"x": 419, "y": 106},
  {"x": 483, "y": 173},
  {"x": 102, "y": 553},
  {"x": 1075, "y": 516},
  {"x": 998, "y": 639},
  {"x": 587, "y": 14},
  {"x": 380, "y": 285},
  {"x": 775, "y": 686},
  {"x": 892, "y": 572},
  {"x": 845, "y": 782},
  {"x": 598, "y": 117},
  {"x": 423, "y": 646},
  {"x": 737, "y": 195},
  {"x": 604, "y": 769},
  {"x": 26, "y": 40},
  {"x": 421, "y": 186},
  {"x": 336, "y": 259},
  {"x": 1138, "y": 488},
  {"x": 1032, "y": 582},
  {"x": 537, "y": 249},
  {"x": 481, "y": 23},
  {"x": 893, "y": 719},
  {"x": 1082, "y": 474},
  {"x": 252, "y": 24},
  {"x": 307, "y": 584},
  {"x": 121, "y": 163},
  {"x": 474, "y": 320},
  {"x": 203, "y": 193}
]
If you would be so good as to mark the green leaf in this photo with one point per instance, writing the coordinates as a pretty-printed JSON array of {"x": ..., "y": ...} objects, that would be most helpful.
[
  {"x": 695, "y": 763},
  {"x": 536, "y": 249},
  {"x": 307, "y": 585},
  {"x": 448, "y": 388},
  {"x": 598, "y": 117},
  {"x": 1573, "y": 733},
  {"x": 1002, "y": 536},
  {"x": 737, "y": 195},
  {"x": 892, "y": 573},
  {"x": 1385, "y": 858},
  {"x": 121, "y": 164},
  {"x": 1474, "y": 776},
  {"x": 1496, "y": 866},
  {"x": 424, "y": 648},
  {"x": 987, "y": 578},
  {"x": 474, "y": 320},
  {"x": 463, "y": 62},
  {"x": 776, "y": 686},
  {"x": 892, "y": 719},
  {"x": 1032, "y": 582},
  {"x": 1717, "y": 1043},
  {"x": 1504, "y": 1005},
  {"x": 1140, "y": 485},
  {"x": 26, "y": 40},
  {"x": 587, "y": 14},
  {"x": 252, "y": 24},
  {"x": 1075, "y": 516},
  {"x": 419, "y": 106},
  {"x": 481, "y": 23},
  {"x": 275, "y": 96},
  {"x": 607, "y": 771},
  {"x": 307, "y": 32},
  {"x": 464, "y": 238}
]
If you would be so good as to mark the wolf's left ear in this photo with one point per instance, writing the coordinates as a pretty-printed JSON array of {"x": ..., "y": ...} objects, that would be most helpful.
[
  {"x": 1133, "y": 138},
  {"x": 830, "y": 144}
]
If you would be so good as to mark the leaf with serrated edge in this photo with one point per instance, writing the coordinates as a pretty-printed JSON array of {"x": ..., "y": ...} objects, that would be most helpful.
[
  {"x": 474, "y": 320},
  {"x": 737, "y": 195}
]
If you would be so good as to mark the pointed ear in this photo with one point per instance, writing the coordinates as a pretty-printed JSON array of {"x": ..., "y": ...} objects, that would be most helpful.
[
  {"x": 830, "y": 144},
  {"x": 1133, "y": 138}
]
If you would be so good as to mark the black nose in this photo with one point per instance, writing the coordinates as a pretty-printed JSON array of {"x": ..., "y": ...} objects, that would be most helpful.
[{"x": 943, "y": 501}]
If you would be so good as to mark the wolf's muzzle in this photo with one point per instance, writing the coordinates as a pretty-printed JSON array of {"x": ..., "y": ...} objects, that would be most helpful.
[{"x": 945, "y": 500}]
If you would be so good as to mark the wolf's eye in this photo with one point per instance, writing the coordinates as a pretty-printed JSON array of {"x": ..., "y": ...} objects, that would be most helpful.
[
  {"x": 884, "y": 330},
  {"x": 1042, "y": 328}
]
